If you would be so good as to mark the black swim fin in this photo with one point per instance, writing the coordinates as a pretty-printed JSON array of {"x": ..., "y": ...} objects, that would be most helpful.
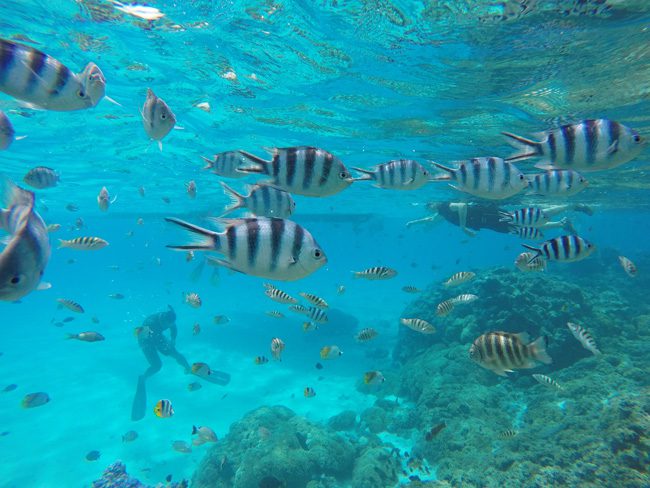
[{"x": 139, "y": 400}]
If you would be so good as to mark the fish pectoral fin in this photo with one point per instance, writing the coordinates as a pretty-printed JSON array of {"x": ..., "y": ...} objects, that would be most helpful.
[
  {"x": 44, "y": 285},
  {"x": 613, "y": 148},
  {"x": 292, "y": 260},
  {"x": 545, "y": 165},
  {"x": 221, "y": 262},
  {"x": 501, "y": 372}
]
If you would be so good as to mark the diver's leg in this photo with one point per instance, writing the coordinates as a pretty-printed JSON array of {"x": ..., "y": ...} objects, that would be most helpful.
[
  {"x": 461, "y": 209},
  {"x": 432, "y": 219},
  {"x": 140, "y": 399}
]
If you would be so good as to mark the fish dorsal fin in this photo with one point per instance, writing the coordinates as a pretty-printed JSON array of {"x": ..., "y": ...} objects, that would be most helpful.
[
  {"x": 523, "y": 337},
  {"x": 12, "y": 195}
]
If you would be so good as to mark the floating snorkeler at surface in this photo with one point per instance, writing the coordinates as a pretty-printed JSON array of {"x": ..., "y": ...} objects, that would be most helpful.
[{"x": 152, "y": 341}]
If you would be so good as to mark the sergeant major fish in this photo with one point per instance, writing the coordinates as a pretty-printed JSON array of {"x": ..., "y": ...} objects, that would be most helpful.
[
  {"x": 270, "y": 248},
  {"x": 445, "y": 307},
  {"x": 375, "y": 273},
  {"x": 262, "y": 201},
  {"x": 525, "y": 217},
  {"x": 226, "y": 164},
  {"x": 83, "y": 243},
  {"x": 491, "y": 178},
  {"x": 556, "y": 183},
  {"x": 34, "y": 77},
  {"x": 503, "y": 352},
  {"x": 584, "y": 337},
  {"x": 70, "y": 305},
  {"x": 24, "y": 258},
  {"x": 564, "y": 248},
  {"x": 316, "y": 301},
  {"x": 277, "y": 346},
  {"x": 302, "y": 170},
  {"x": 41, "y": 177},
  {"x": 418, "y": 325},
  {"x": 278, "y": 295},
  {"x": 589, "y": 145},
  {"x": 546, "y": 381},
  {"x": 529, "y": 261},
  {"x": 366, "y": 334},
  {"x": 528, "y": 233},
  {"x": 459, "y": 278},
  {"x": 157, "y": 117},
  {"x": 400, "y": 174}
]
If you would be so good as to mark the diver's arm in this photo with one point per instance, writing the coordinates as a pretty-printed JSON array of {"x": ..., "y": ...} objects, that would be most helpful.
[{"x": 173, "y": 332}]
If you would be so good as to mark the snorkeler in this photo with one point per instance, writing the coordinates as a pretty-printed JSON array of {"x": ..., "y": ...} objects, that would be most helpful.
[
  {"x": 152, "y": 341},
  {"x": 471, "y": 217}
]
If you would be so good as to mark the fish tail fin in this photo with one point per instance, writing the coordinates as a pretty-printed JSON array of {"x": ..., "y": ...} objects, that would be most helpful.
[
  {"x": 194, "y": 429},
  {"x": 12, "y": 195},
  {"x": 71, "y": 336},
  {"x": 367, "y": 175},
  {"x": 236, "y": 200},
  {"x": 504, "y": 216},
  {"x": 538, "y": 350},
  {"x": 538, "y": 252},
  {"x": 205, "y": 240},
  {"x": 62, "y": 244},
  {"x": 209, "y": 164},
  {"x": 356, "y": 275},
  {"x": 448, "y": 176},
  {"x": 259, "y": 165},
  {"x": 526, "y": 148}
]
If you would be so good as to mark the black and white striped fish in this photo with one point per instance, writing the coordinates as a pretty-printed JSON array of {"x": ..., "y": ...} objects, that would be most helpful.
[
  {"x": 7, "y": 132},
  {"x": 157, "y": 118},
  {"x": 276, "y": 249},
  {"x": 503, "y": 352},
  {"x": 556, "y": 183},
  {"x": 70, "y": 305},
  {"x": 529, "y": 262},
  {"x": 546, "y": 381},
  {"x": 507, "y": 434},
  {"x": 584, "y": 337},
  {"x": 83, "y": 243},
  {"x": 317, "y": 315},
  {"x": 302, "y": 170},
  {"x": 278, "y": 295},
  {"x": 525, "y": 217},
  {"x": 400, "y": 174},
  {"x": 491, "y": 178},
  {"x": 316, "y": 301},
  {"x": 376, "y": 273},
  {"x": 418, "y": 325},
  {"x": 275, "y": 314},
  {"x": 628, "y": 266},
  {"x": 445, "y": 307},
  {"x": 226, "y": 164},
  {"x": 262, "y": 201},
  {"x": 531, "y": 233},
  {"x": 459, "y": 278},
  {"x": 41, "y": 177},
  {"x": 34, "y": 77},
  {"x": 589, "y": 145},
  {"x": 299, "y": 309},
  {"x": 365, "y": 335},
  {"x": 464, "y": 298},
  {"x": 563, "y": 248}
]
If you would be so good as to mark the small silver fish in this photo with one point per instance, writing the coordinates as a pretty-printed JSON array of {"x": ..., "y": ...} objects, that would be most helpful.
[
  {"x": 366, "y": 334},
  {"x": 464, "y": 298},
  {"x": 410, "y": 289},
  {"x": 182, "y": 447},
  {"x": 190, "y": 188},
  {"x": 157, "y": 117},
  {"x": 314, "y": 300},
  {"x": 278, "y": 295},
  {"x": 104, "y": 199}
]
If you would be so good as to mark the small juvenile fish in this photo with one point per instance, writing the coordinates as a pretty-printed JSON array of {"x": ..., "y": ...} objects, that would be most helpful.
[
  {"x": 564, "y": 248},
  {"x": 376, "y": 273},
  {"x": 373, "y": 378},
  {"x": 93, "y": 456},
  {"x": 71, "y": 207},
  {"x": 70, "y": 305},
  {"x": 87, "y": 336},
  {"x": 83, "y": 243},
  {"x": 584, "y": 337},
  {"x": 194, "y": 386},
  {"x": 589, "y": 145},
  {"x": 157, "y": 117},
  {"x": 140, "y": 221},
  {"x": 340, "y": 290},
  {"x": 53, "y": 227},
  {"x": 314, "y": 300},
  {"x": 278, "y": 295},
  {"x": 529, "y": 233},
  {"x": 556, "y": 183},
  {"x": 130, "y": 436},
  {"x": 299, "y": 309},
  {"x": 410, "y": 289},
  {"x": 525, "y": 217},
  {"x": 365, "y": 335},
  {"x": 330, "y": 352},
  {"x": 309, "y": 326},
  {"x": 502, "y": 352},
  {"x": 226, "y": 164},
  {"x": 190, "y": 188},
  {"x": 546, "y": 381},
  {"x": 262, "y": 201},
  {"x": 434, "y": 431},
  {"x": 41, "y": 177},
  {"x": 182, "y": 447},
  {"x": 628, "y": 266},
  {"x": 400, "y": 174},
  {"x": 9, "y": 388},
  {"x": 275, "y": 314},
  {"x": 192, "y": 299},
  {"x": 445, "y": 307},
  {"x": 309, "y": 392},
  {"x": 277, "y": 346},
  {"x": 459, "y": 278},
  {"x": 507, "y": 434},
  {"x": 465, "y": 298},
  {"x": 116, "y": 296},
  {"x": 259, "y": 360},
  {"x": 203, "y": 434},
  {"x": 33, "y": 400},
  {"x": 103, "y": 199},
  {"x": 141, "y": 191},
  {"x": 163, "y": 409},
  {"x": 196, "y": 329},
  {"x": 220, "y": 319},
  {"x": 68, "y": 319},
  {"x": 419, "y": 325},
  {"x": 530, "y": 262}
]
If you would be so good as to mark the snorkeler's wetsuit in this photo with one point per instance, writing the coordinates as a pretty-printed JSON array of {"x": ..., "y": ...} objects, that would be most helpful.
[
  {"x": 479, "y": 216},
  {"x": 152, "y": 341}
]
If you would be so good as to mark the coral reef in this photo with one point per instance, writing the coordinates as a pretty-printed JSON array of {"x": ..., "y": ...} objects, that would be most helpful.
[{"x": 115, "y": 476}]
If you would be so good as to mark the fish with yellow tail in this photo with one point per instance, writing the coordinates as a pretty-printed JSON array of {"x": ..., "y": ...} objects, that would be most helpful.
[
  {"x": 34, "y": 77},
  {"x": 277, "y": 346},
  {"x": 163, "y": 409},
  {"x": 418, "y": 325},
  {"x": 309, "y": 326},
  {"x": 157, "y": 118},
  {"x": 83, "y": 243},
  {"x": 259, "y": 360},
  {"x": 24, "y": 258},
  {"x": 330, "y": 352},
  {"x": 503, "y": 352},
  {"x": 373, "y": 378},
  {"x": 375, "y": 273},
  {"x": 584, "y": 337},
  {"x": 628, "y": 266},
  {"x": 459, "y": 278}
]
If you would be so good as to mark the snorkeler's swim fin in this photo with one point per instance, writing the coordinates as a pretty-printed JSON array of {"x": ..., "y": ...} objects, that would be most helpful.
[
  {"x": 139, "y": 401},
  {"x": 217, "y": 377}
]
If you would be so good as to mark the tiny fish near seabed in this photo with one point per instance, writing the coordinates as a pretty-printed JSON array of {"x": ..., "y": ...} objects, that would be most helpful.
[
  {"x": 584, "y": 337},
  {"x": 459, "y": 278},
  {"x": 628, "y": 266}
]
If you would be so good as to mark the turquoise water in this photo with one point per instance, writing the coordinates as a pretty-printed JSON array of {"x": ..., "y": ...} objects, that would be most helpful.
[{"x": 369, "y": 81}]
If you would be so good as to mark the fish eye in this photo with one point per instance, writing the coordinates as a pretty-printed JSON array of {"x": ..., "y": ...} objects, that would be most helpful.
[
  {"x": 81, "y": 93},
  {"x": 343, "y": 175},
  {"x": 163, "y": 116},
  {"x": 317, "y": 253},
  {"x": 522, "y": 177},
  {"x": 637, "y": 138},
  {"x": 15, "y": 279}
]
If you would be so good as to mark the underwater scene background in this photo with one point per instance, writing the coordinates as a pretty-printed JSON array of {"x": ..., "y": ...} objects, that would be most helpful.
[{"x": 369, "y": 81}]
